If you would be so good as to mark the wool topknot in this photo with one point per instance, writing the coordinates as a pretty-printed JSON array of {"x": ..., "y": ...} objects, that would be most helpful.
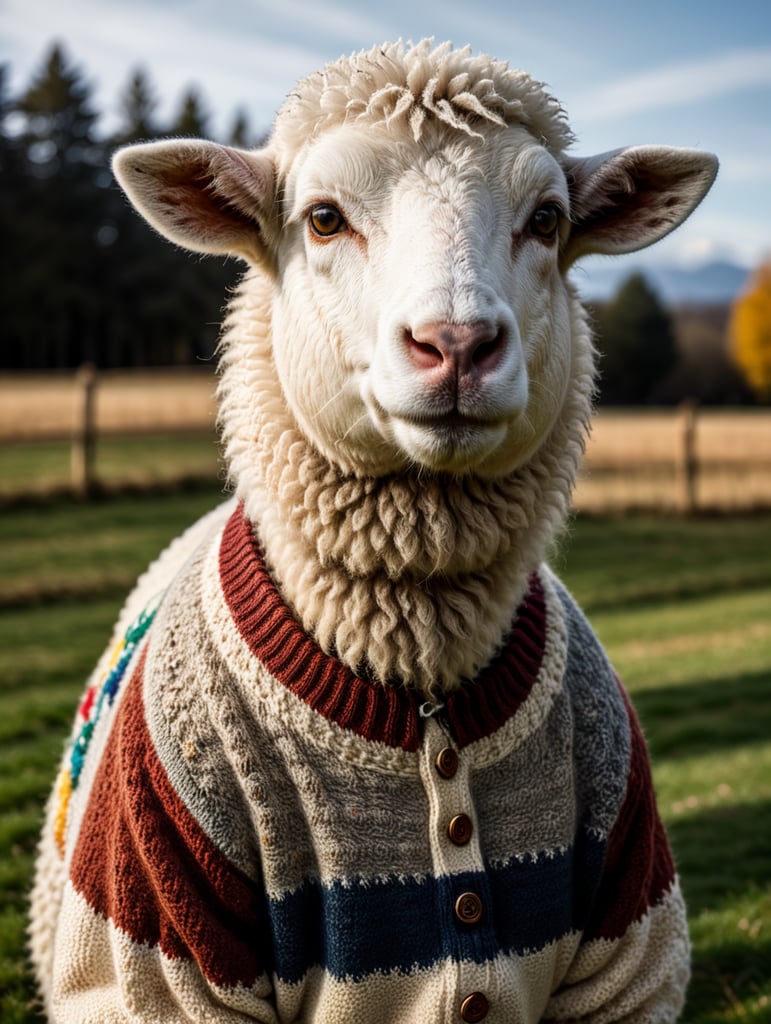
[{"x": 404, "y": 86}]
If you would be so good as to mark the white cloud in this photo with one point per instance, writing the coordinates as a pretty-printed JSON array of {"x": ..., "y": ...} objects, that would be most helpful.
[{"x": 675, "y": 85}]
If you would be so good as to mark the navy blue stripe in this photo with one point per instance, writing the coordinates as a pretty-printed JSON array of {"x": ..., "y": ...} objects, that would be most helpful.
[{"x": 353, "y": 930}]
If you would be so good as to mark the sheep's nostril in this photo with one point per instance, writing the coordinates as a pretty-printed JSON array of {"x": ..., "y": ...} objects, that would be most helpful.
[
  {"x": 487, "y": 353},
  {"x": 424, "y": 354},
  {"x": 456, "y": 350}
]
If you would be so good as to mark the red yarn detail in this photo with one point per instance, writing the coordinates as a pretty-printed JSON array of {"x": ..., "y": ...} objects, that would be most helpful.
[
  {"x": 388, "y": 714},
  {"x": 87, "y": 703},
  {"x": 154, "y": 872}
]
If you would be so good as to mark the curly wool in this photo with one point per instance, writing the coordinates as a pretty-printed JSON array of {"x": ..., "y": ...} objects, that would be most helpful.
[
  {"x": 398, "y": 84},
  {"x": 411, "y": 579}
]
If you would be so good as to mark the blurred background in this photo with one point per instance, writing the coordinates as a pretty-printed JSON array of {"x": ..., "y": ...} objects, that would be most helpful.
[
  {"x": 107, "y": 369},
  {"x": 682, "y": 325}
]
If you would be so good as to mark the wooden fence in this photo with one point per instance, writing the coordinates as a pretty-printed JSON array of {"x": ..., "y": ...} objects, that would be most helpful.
[
  {"x": 84, "y": 407},
  {"x": 688, "y": 459},
  {"x": 685, "y": 459}
]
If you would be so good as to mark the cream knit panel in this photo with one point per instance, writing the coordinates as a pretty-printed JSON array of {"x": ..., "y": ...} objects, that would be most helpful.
[
  {"x": 103, "y": 977},
  {"x": 281, "y": 791},
  {"x": 638, "y": 979},
  {"x": 51, "y": 866}
]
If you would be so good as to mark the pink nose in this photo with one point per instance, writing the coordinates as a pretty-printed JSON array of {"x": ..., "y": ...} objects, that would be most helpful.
[{"x": 455, "y": 350}]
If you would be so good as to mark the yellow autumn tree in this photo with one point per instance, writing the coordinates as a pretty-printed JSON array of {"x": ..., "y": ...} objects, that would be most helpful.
[{"x": 750, "y": 332}]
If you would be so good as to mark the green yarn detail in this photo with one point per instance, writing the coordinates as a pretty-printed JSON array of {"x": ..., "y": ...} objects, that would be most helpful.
[{"x": 132, "y": 638}]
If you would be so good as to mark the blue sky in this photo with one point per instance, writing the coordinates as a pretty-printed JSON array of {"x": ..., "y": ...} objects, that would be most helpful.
[{"x": 676, "y": 72}]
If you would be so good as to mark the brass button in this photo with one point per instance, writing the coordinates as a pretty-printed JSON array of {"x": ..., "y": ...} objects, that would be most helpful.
[
  {"x": 459, "y": 830},
  {"x": 447, "y": 762},
  {"x": 474, "y": 1007},
  {"x": 468, "y": 908}
]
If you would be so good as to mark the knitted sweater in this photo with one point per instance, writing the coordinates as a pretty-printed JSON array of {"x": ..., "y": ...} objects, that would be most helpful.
[{"x": 244, "y": 830}]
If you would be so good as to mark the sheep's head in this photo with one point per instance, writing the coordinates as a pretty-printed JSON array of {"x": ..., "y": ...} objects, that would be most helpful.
[{"x": 416, "y": 213}]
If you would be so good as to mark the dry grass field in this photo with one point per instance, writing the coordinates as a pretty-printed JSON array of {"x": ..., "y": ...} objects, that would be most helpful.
[
  {"x": 48, "y": 406},
  {"x": 634, "y": 460}
]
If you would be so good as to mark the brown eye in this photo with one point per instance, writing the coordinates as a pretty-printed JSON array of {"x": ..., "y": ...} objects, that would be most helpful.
[
  {"x": 326, "y": 220},
  {"x": 545, "y": 221}
]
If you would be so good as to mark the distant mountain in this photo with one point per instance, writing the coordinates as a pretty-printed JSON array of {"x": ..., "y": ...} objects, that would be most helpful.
[{"x": 716, "y": 282}]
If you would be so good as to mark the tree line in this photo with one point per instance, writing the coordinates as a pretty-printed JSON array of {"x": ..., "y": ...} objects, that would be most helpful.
[{"x": 87, "y": 281}]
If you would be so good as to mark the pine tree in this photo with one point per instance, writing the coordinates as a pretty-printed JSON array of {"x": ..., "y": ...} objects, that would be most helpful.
[
  {"x": 240, "y": 134},
  {"x": 60, "y": 121},
  {"x": 17, "y": 214},
  {"x": 58, "y": 267},
  {"x": 636, "y": 342},
  {"x": 192, "y": 120},
  {"x": 12, "y": 166},
  {"x": 87, "y": 279},
  {"x": 137, "y": 108}
]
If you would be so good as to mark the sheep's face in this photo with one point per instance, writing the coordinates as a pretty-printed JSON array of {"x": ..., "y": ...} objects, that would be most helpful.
[
  {"x": 414, "y": 236},
  {"x": 421, "y": 315}
]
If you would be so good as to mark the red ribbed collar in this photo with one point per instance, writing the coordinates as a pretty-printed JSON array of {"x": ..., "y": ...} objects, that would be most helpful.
[{"x": 376, "y": 712}]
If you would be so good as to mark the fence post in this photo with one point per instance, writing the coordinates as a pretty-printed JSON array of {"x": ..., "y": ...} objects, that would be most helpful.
[
  {"x": 84, "y": 432},
  {"x": 686, "y": 459}
]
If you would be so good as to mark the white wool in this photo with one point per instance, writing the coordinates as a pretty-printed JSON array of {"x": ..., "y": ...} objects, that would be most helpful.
[
  {"x": 412, "y": 577},
  {"x": 402, "y": 86}
]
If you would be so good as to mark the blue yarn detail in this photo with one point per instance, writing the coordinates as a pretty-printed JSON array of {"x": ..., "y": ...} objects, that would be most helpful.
[
  {"x": 113, "y": 680},
  {"x": 132, "y": 638}
]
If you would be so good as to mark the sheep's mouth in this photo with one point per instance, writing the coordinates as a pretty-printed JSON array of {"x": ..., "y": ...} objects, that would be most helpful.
[
  {"x": 448, "y": 442},
  {"x": 449, "y": 421}
]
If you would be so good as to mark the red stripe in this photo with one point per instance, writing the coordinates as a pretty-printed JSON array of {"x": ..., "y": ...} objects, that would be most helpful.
[
  {"x": 639, "y": 867},
  {"x": 385, "y": 713},
  {"x": 143, "y": 861},
  {"x": 377, "y": 712}
]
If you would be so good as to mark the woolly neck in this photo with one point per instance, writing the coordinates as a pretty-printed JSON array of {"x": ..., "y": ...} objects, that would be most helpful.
[
  {"x": 411, "y": 579},
  {"x": 388, "y": 714}
]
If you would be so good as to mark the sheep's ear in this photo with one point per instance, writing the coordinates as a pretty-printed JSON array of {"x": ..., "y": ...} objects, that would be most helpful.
[
  {"x": 630, "y": 198},
  {"x": 203, "y": 196}
]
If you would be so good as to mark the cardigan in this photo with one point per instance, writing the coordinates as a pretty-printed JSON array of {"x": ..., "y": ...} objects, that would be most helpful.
[{"x": 245, "y": 830}]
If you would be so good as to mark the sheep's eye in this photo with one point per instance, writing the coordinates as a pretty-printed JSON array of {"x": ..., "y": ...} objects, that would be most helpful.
[
  {"x": 326, "y": 220},
  {"x": 545, "y": 221}
]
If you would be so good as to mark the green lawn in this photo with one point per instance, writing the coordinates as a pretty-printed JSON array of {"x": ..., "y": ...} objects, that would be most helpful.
[
  {"x": 44, "y": 467},
  {"x": 684, "y": 609}
]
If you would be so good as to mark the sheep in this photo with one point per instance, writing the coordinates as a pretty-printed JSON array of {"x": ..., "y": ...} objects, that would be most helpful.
[{"x": 357, "y": 755}]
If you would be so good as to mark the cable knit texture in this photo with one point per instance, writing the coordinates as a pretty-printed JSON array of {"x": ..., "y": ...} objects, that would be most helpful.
[{"x": 258, "y": 834}]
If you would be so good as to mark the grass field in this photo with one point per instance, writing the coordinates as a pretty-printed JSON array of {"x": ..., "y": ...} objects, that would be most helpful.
[{"x": 684, "y": 609}]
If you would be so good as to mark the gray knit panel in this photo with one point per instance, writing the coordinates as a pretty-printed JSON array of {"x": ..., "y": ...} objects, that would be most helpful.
[
  {"x": 601, "y": 730},
  {"x": 273, "y": 801}
]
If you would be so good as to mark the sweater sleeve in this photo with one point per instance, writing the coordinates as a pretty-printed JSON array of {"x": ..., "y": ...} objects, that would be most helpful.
[
  {"x": 633, "y": 963},
  {"x": 156, "y": 923}
]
